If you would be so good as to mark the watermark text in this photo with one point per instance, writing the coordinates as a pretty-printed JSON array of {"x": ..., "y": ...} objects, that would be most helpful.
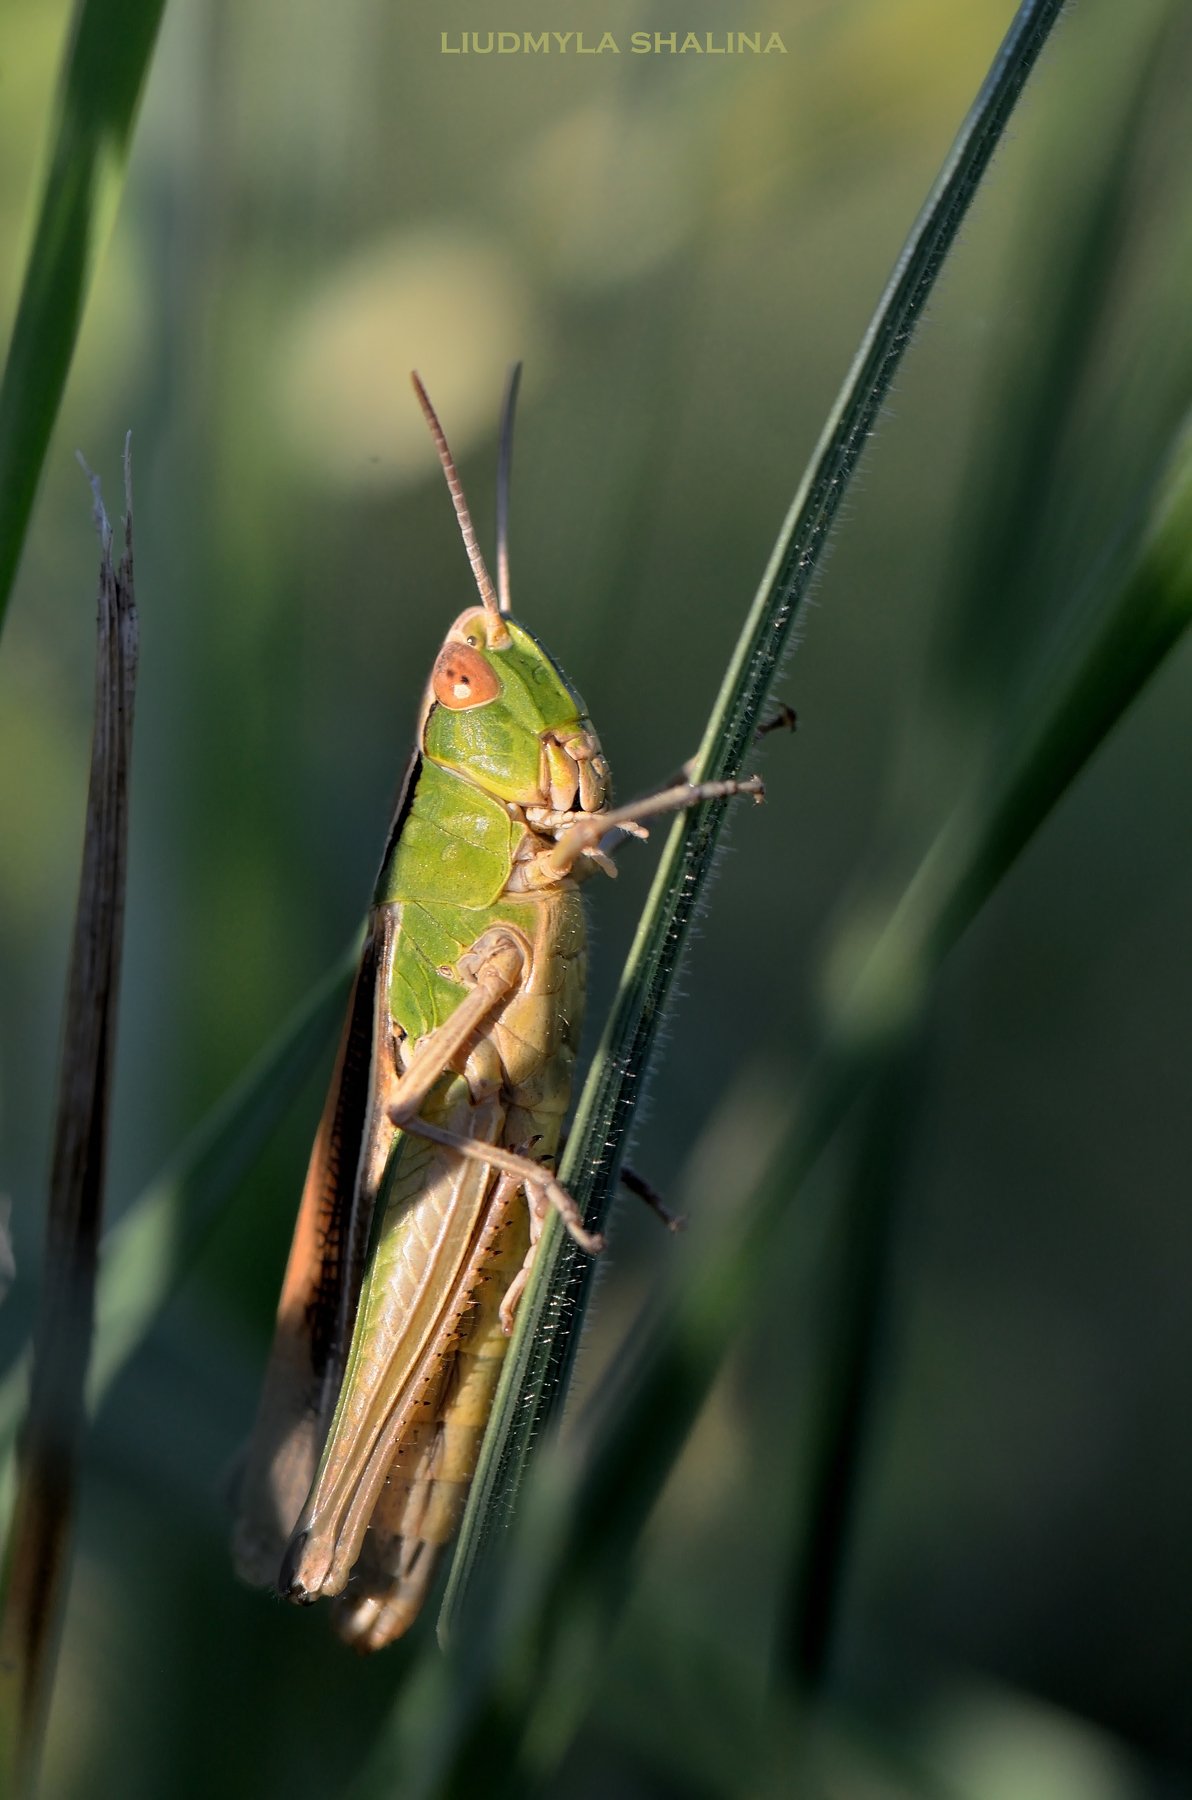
[{"x": 607, "y": 43}]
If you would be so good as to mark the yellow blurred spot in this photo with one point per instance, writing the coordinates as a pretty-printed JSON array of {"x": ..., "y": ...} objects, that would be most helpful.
[
  {"x": 612, "y": 192},
  {"x": 911, "y": 65},
  {"x": 443, "y": 302}
]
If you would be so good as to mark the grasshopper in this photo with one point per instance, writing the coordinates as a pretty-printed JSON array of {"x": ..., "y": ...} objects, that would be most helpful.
[{"x": 432, "y": 1171}]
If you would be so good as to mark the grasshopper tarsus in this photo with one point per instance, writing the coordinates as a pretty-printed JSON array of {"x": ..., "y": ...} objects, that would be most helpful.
[
  {"x": 611, "y": 828},
  {"x": 784, "y": 718},
  {"x": 645, "y": 1190}
]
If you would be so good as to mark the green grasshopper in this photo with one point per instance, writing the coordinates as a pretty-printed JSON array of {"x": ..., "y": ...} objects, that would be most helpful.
[{"x": 432, "y": 1171}]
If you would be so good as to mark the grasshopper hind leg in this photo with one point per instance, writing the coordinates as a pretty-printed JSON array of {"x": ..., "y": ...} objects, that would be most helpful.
[{"x": 420, "y": 1509}]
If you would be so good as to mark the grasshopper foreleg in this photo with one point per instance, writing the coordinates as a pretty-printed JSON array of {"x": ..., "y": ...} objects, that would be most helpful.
[
  {"x": 784, "y": 718},
  {"x": 584, "y": 837}
]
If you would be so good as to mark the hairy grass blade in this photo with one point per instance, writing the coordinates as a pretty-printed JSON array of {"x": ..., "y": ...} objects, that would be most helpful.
[{"x": 552, "y": 1309}]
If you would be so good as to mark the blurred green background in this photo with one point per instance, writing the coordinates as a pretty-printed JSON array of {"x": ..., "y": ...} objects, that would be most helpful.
[{"x": 685, "y": 251}]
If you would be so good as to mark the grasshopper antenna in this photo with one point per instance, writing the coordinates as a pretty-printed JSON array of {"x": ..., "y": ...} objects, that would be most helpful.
[
  {"x": 499, "y": 634},
  {"x": 504, "y": 475}
]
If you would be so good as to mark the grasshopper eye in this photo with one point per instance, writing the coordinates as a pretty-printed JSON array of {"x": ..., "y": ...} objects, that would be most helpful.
[{"x": 462, "y": 678}]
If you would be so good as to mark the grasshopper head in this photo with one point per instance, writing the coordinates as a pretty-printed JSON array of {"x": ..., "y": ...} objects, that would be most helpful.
[{"x": 500, "y": 713}]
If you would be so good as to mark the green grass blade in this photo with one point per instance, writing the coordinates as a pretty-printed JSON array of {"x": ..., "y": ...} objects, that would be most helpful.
[
  {"x": 532, "y": 1657},
  {"x": 1046, "y": 747},
  {"x": 107, "y": 56},
  {"x": 961, "y": 871},
  {"x": 552, "y": 1309}
]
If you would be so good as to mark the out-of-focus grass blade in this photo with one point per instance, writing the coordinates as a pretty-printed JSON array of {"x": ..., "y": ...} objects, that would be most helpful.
[
  {"x": 107, "y": 56},
  {"x": 150, "y": 1252},
  {"x": 1081, "y": 211},
  {"x": 551, "y": 1310},
  {"x": 520, "y": 1681},
  {"x": 147, "y": 1255},
  {"x": 997, "y": 611},
  {"x": 37, "y": 1554},
  {"x": 842, "y": 1379}
]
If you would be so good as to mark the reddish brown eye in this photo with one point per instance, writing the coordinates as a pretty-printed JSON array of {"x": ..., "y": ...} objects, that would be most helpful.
[{"x": 462, "y": 678}]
